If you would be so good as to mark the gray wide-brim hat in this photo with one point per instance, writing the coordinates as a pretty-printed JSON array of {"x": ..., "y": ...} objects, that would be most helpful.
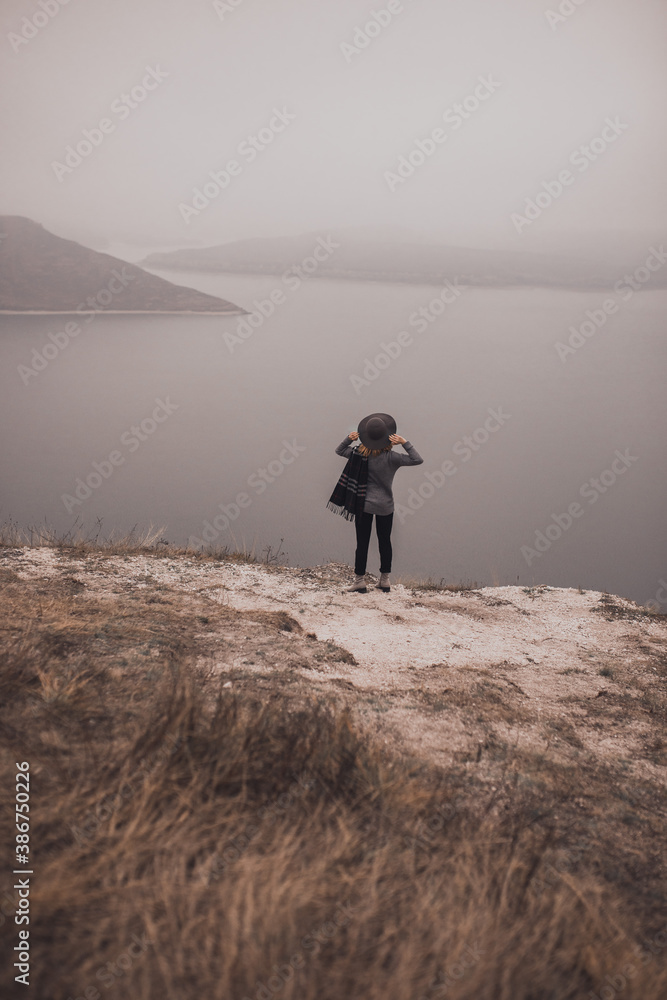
[{"x": 375, "y": 429}]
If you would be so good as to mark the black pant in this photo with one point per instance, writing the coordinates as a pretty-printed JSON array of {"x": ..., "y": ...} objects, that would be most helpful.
[{"x": 364, "y": 523}]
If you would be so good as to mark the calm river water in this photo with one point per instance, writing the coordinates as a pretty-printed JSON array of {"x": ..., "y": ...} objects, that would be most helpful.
[{"x": 234, "y": 436}]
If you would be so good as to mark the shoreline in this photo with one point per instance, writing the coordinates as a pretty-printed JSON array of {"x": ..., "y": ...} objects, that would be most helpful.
[
  {"x": 426, "y": 281},
  {"x": 120, "y": 312}
]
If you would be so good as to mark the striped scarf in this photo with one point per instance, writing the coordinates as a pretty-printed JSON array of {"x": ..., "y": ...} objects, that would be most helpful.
[{"x": 349, "y": 493}]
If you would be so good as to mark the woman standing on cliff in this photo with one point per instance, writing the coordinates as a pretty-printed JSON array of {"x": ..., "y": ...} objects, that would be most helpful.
[{"x": 364, "y": 490}]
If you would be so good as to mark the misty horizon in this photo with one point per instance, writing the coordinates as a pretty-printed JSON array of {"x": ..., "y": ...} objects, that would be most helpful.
[{"x": 179, "y": 99}]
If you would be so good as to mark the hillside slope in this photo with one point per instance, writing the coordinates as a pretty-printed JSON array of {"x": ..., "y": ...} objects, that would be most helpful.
[
  {"x": 42, "y": 272},
  {"x": 439, "y": 673},
  {"x": 226, "y": 751},
  {"x": 346, "y": 254}
]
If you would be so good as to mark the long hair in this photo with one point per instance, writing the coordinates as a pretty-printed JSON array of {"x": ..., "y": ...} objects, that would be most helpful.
[{"x": 368, "y": 452}]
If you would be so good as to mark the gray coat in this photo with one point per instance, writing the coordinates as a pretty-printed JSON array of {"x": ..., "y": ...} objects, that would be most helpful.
[{"x": 381, "y": 471}]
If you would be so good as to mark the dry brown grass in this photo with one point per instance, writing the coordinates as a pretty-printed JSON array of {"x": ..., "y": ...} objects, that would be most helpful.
[
  {"x": 149, "y": 541},
  {"x": 191, "y": 842}
]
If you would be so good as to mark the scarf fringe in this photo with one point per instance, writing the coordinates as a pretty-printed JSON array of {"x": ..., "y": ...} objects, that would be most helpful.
[{"x": 340, "y": 509}]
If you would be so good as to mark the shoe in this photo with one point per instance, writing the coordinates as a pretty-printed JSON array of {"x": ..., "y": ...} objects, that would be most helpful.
[
  {"x": 384, "y": 583},
  {"x": 358, "y": 587}
]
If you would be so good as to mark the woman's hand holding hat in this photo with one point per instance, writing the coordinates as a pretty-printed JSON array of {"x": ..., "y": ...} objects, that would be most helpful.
[{"x": 397, "y": 439}]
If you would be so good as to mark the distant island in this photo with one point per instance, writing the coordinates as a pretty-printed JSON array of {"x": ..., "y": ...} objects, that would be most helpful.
[
  {"x": 40, "y": 272},
  {"x": 353, "y": 256}
]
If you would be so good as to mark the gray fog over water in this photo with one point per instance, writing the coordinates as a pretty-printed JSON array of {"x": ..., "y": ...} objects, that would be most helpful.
[{"x": 216, "y": 416}]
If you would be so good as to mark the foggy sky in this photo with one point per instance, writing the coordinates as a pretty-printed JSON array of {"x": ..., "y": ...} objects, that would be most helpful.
[{"x": 227, "y": 71}]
